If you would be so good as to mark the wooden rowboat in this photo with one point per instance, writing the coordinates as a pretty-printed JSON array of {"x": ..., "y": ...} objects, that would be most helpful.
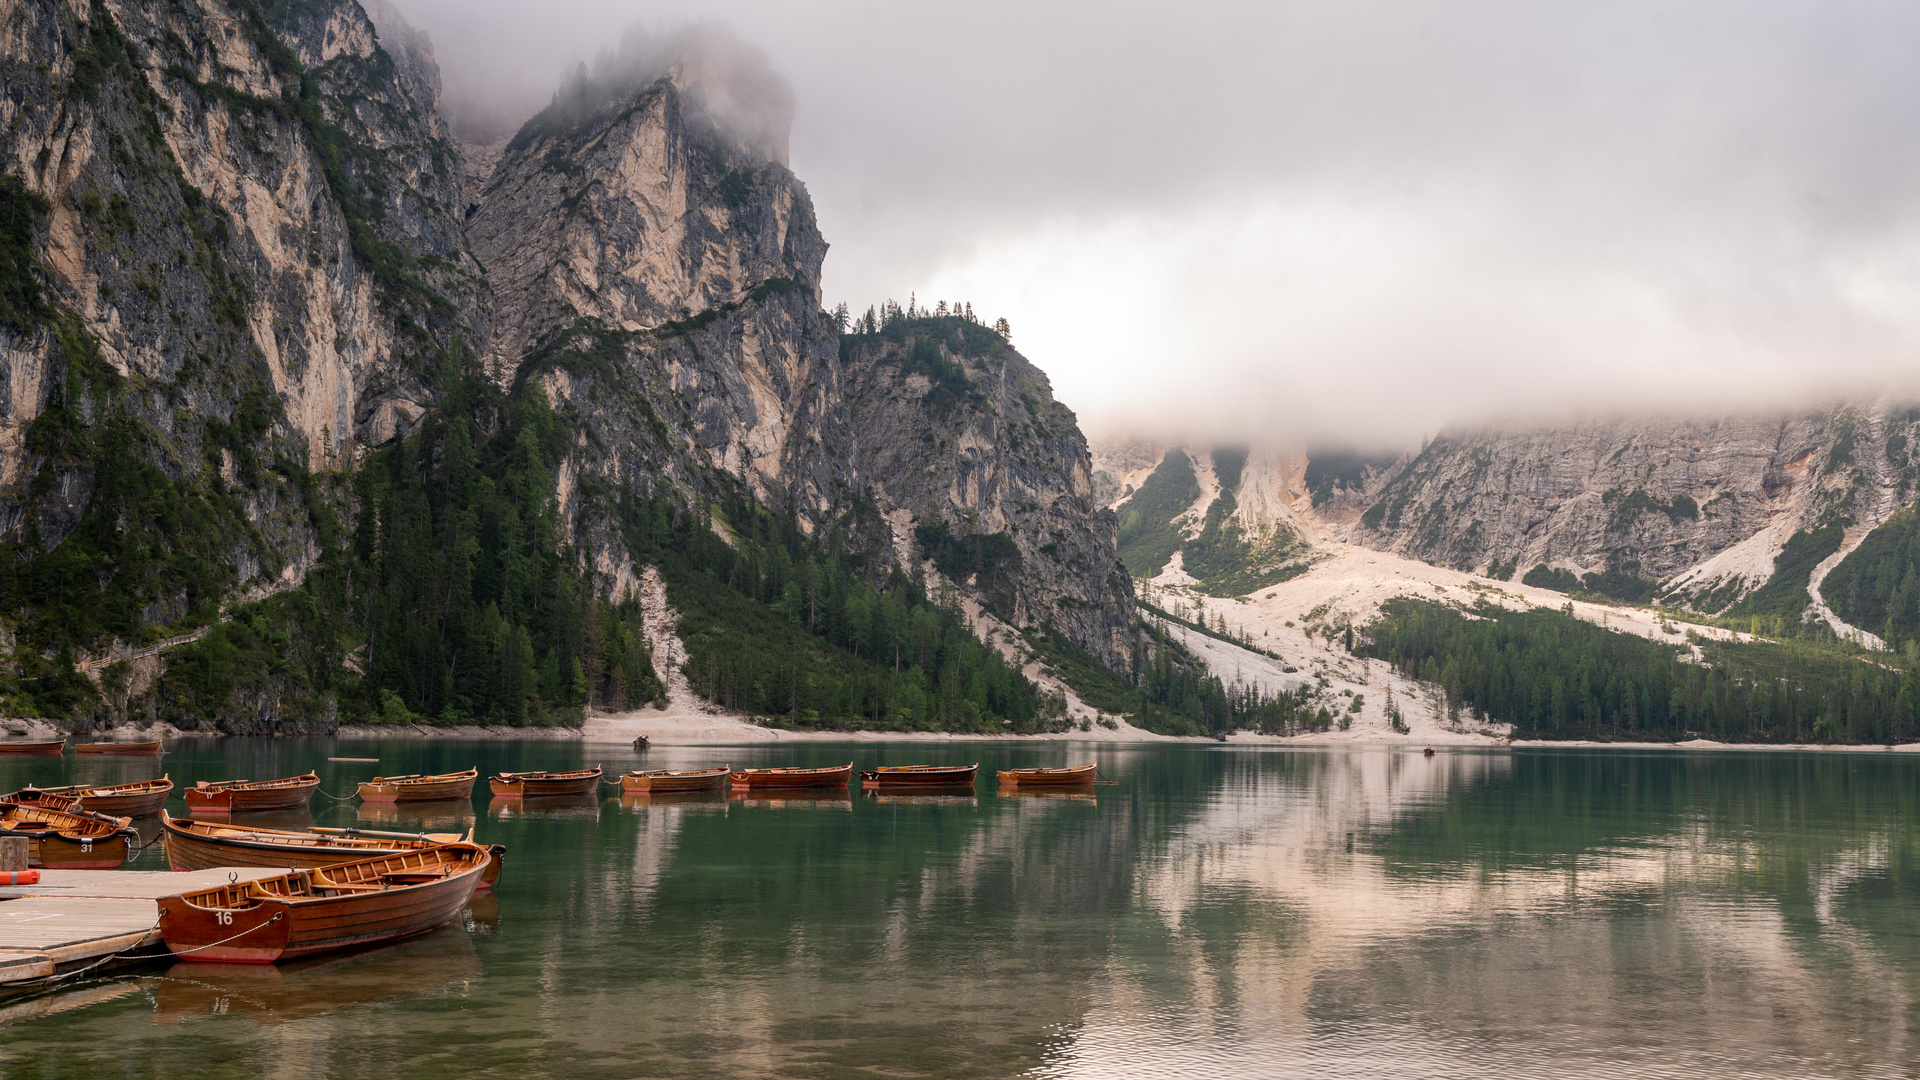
[
  {"x": 304, "y": 912},
  {"x": 1072, "y": 776},
  {"x": 787, "y": 779},
  {"x": 48, "y": 749},
  {"x": 660, "y": 781},
  {"x": 230, "y": 796},
  {"x": 201, "y": 845},
  {"x": 124, "y": 748},
  {"x": 132, "y": 800},
  {"x": 520, "y": 785},
  {"x": 65, "y": 840},
  {"x": 45, "y": 798},
  {"x": 415, "y": 787},
  {"x": 918, "y": 776}
]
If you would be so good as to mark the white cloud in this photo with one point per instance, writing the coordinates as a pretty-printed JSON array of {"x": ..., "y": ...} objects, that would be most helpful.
[{"x": 1351, "y": 216}]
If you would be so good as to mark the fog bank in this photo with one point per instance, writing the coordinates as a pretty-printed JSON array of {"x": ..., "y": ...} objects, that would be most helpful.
[{"x": 1358, "y": 220}]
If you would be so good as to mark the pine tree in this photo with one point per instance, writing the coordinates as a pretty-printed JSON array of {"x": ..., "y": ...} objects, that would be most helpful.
[{"x": 1001, "y": 327}]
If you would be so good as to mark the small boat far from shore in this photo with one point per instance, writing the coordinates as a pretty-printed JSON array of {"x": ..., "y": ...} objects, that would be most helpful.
[
  {"x": 918, "y": 776},
  {"x": 524, "y": 785},
  {"x": 123, "y": 749},
  {"x": 230, "y": 796},
  {"x": 785, "y": 779},
  {"x": 138, "y": 799},
  {"x": 44, "y": 748},
  {"x": 1072, "y": 776},
  {"x": 660, "y": 781},
  {"x": 415, "y": 787}
]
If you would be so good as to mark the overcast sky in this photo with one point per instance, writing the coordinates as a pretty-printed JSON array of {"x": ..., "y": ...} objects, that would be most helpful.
[{"x": 1343, "y": 218}]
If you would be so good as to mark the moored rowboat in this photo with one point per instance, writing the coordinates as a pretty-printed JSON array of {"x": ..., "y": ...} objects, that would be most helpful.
[
  {"x": 130, "y": 800},
  {"x": 64, "y": 840},
  {"x": 1075, "y": 775},
  {"x": 125, "y": 748},
  {"x": 200, "y": 845},
  {"x": 227, "y": 796},
  {"x": 319, "y": 910},
  {"x": 918, "y": 776},
  {"x": 786, "y": 779},
  {"x": 46, "y": 748},
  {"x": 528, "y": 784},
  {"x": 418, "y": 788},
  {"x": 660, "y": 781}
]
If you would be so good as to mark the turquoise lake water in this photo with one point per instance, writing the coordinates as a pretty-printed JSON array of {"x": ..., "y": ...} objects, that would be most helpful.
[{"x": 1215, "y": 912}]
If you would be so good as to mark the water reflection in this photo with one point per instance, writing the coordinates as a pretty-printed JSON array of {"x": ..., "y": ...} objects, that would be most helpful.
[
  {"x": 830, "y": 799},
  {"x": 641, "y": 801},
  {"x": 1218, "y": 911},
  {"x": 280, "y": 993},
  {"x": 553, "y": 807},
  {"x": 455, "y": 815}
]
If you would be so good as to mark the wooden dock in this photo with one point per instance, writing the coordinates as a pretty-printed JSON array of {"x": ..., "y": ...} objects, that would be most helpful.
[{"x": 74, "y": 918}]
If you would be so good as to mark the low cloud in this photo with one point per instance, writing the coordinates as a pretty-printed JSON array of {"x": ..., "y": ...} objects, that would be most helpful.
[{"x": 1310, "y": 220}]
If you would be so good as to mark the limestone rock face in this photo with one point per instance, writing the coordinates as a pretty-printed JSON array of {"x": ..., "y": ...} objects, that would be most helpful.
[
  {"x": 1000, "y": 458},
  {"x": 1658, "y": 499},
  {"x": 656, "y": 266},
  {"x": 241, "y": 205},
  {"x": 260, "y": 246}
]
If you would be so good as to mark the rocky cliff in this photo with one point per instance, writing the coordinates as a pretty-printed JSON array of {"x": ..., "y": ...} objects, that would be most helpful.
[
  {"x": 961, "y": 436},
  {"x": 238, "y": 226},
  {"x": 1696, "y": 510},
  {"x": 656, "y": 267},
  {"x": 242, "y": 252},
  {"x": 1699, "y": 513}
]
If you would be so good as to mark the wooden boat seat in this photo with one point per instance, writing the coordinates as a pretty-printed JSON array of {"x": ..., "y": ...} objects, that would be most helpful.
[{"x": 412, "y": 877}]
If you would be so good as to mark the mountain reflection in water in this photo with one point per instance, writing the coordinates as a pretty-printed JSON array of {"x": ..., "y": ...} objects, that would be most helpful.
[{"x": 1220, "y": 911}]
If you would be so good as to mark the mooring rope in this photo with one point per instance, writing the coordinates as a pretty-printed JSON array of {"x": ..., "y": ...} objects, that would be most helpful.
[
  {"x": 129, "y": 955},
  {"x": 339, "y": 798}
]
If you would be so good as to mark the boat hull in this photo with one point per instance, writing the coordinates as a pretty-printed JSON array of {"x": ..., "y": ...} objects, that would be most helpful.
[
  {"x": 69, "y": 840},
  {"x": 40, "y": 749},
  {"x": 532, "y": 787},
  {"x": 79, "y": 853},
  {"x": 188, "y": 849},
  {"x": 115, "y": 800},
  {"x": 884, "y": 779},
  {"x": 144, "y": 805},
  {"x": 661, "y": 783},
  {"x": 380, "y": 790},
  {"x": 239, "y": 800},
  {"x": 1078, "y": 776},
  {"x": 276, "y": 929},
  {"x": 792, "y": 779},
  {"x": 125, "y": 749}
]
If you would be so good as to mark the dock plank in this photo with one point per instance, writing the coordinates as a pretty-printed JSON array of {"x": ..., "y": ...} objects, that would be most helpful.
[
  {"x": 76, "y": 917},
  {"x": 136, "y": 884}
]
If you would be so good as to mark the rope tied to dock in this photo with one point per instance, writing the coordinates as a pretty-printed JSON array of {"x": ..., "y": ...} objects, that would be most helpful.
[
  {"x": 216, "y": 944},
  {"x": 129, "y": 955}
]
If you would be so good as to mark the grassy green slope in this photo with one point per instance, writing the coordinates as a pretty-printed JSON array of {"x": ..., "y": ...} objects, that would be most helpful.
[
  {"x": 1877, "y": 586},
  {"x": 1148, "y": 537}
]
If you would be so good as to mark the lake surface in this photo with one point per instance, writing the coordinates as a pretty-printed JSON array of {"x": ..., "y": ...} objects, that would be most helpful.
[{"x": 1216, "y": 912}]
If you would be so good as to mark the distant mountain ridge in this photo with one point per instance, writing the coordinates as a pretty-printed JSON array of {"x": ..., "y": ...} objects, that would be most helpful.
[{"x": 1727, "y": 517}]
